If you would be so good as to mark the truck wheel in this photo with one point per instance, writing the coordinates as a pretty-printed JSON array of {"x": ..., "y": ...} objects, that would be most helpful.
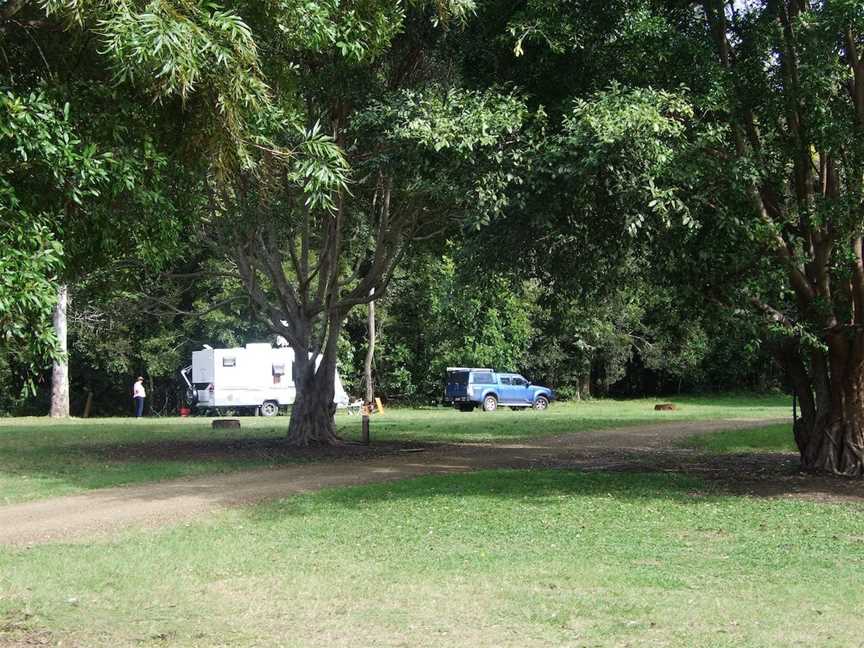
[
  {"x": 541, "y": 403},
  {"x": 490, "y": 403},
  {"x": 269, "y": 409}
]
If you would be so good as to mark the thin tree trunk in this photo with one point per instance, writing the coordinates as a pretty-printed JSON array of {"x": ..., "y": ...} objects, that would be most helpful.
[
  {"x": 585, "y": 386},
  {"x": 370, "y": 353},
  {"x": 88, "y": 405},
  {"x": 60, "y": 369}
]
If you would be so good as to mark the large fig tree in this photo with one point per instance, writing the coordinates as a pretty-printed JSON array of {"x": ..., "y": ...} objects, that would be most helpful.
[
  {"x": 722, "y": 143},
  {"x": 794, "y": 78}
]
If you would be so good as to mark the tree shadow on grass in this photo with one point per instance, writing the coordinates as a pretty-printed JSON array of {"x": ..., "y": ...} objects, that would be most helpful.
[
  {"x": 249, "y": 449},
  {"x": 69, "y": 456},
  {"x": 134, "y": 459},
  {"x": 753, "y": 474},
  {"x": 531, "y": 488},
  {"x": 669, "y": 475},
  {"x": 96, "y": 464}
]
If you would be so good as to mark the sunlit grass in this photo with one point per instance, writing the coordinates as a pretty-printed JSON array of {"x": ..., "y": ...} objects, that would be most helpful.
[
  {"x": 773, "y": 438},
  {"x": 503, "y": 558}
]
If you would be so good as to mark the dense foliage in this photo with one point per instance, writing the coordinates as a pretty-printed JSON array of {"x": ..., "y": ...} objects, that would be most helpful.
[{"x": 614, "y": 197}]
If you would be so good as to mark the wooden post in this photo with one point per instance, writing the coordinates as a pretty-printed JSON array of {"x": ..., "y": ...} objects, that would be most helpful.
[
  {"x": 364, "y": 434},
  {"x": 88, "y": 404},
  {"x": 370, "y": 350}
]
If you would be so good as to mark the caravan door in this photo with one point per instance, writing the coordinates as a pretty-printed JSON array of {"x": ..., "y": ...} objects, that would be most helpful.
[{"x": 203, "y": 375}]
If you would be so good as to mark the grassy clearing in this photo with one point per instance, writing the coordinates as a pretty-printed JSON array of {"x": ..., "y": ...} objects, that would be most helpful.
[
  {"x": 774, "y": 438},
  {"x": 42, "y": 458},
  {"x": 503, "y": 558},
  {"x": 437, "y": 425}
]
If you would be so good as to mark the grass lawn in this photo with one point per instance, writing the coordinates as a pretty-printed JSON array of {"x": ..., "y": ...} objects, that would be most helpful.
[
  {"x": 40, "y": 457},
  {"x": 502, "y": 558},
  {"x": 437, "y": 425},
  {"x": 774, "y": 438}
]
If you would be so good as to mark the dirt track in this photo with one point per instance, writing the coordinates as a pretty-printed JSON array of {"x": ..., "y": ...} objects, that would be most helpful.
[{"x": 633, "y": 448}]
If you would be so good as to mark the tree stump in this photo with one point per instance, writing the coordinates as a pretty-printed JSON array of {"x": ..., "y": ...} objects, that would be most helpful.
[
  {"x": 219, "y": 424},
  {"x": 665, "y": 407}
]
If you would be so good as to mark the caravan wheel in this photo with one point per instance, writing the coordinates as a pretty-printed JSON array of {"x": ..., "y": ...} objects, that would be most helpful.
[{"x": 269, "y": 408}]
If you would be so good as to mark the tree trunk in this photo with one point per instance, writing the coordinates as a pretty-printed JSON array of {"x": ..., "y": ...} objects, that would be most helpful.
[
  {"x": 585, "y": 386},
  {"x": 60, "y": 369},
  {"x": 88, "y": 405},
  {"x": 312, "y": 414},
  {"x": 370, "y": 353},
  {"x": 830, "y": 432}
]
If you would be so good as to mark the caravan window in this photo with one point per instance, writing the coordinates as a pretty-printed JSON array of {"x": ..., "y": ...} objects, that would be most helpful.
[
  {"x": 229, "y": 362},
  {"x": 278, "y": 372}
]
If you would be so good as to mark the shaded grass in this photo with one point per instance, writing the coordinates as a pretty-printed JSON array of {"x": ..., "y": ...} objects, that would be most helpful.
[
  {"x": 42, "y": 457},
  {"x": 774, "y": 438},
  {"x": 501, "y": 558}
]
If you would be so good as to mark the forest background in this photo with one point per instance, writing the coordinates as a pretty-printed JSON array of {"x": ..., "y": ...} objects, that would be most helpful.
[{"x": 617, "y": 198}]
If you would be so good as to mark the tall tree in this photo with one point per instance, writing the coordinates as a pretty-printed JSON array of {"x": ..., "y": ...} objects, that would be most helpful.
[
  {"x": 746, "y": 183},
  {"x": 79, "y": 80},
  {"x": 370, "y": 145},
  {"x": 794, "y": 79},
  {"x": 306, "y": 265},
  {"x": 47, "y": 174}
]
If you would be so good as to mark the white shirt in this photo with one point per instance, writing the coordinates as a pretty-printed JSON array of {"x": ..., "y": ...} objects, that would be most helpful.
[{"x": 138, "y": 390}]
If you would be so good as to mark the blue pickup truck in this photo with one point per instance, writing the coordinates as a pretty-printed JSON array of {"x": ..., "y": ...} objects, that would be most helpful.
[{"x": 468, "y": 388}]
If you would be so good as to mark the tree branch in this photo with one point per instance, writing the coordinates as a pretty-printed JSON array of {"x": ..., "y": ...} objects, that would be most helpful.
[
  {"x": 857, "y": 66},
  {"x": 717, "y": 23},
  {"x": 772, "y": 313},
  {"x": 11, "y": 7},
  {"x": 858, "y": 280},
  {"x": 173, "y": 310}
]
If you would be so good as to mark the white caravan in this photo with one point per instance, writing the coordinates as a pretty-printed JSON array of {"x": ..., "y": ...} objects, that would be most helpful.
[{"x": 254, "y": 376}]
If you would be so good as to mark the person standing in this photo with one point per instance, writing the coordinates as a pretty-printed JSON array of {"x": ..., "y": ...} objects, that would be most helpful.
[{"x": 138, "y": 395}]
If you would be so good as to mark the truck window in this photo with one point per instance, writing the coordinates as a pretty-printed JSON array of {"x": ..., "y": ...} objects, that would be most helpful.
[
  {"x": 482, "y": 378},
  {"x": 229, "y": 361},
  {"x": 457, "y": 377},
  {"x": 505, "y": 380}
]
